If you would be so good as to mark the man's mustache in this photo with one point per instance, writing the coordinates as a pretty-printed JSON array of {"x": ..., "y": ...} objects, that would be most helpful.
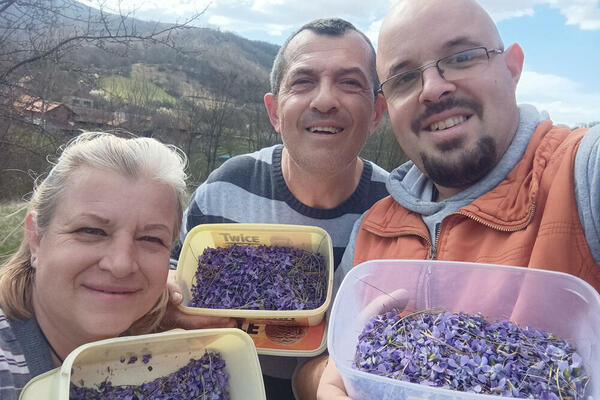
[{"x": 447, "y": 104}]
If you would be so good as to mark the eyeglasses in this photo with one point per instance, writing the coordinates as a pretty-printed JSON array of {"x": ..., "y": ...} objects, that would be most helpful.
[{"x": 461, "y": 65}]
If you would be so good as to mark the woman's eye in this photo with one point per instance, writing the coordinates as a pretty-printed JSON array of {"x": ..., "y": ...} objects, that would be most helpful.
[
  {"x": 152, "y": 239},
  {"x": 91, "y": 231},
  {"x": 300, "y": 82}
]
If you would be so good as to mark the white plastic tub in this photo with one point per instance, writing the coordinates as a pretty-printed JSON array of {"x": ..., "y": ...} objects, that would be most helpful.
[
  {"x": 556, "y": 302},
  {"x": 94, "y": 362}
]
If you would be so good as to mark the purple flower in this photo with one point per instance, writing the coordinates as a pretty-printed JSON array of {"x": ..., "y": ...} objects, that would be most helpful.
[
  {"x": 259, "y": 278},
  {"x": 465, "y": 352},
  {"x": 203, "y": 379}
]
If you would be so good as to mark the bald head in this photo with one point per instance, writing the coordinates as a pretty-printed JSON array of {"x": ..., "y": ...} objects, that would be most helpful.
[
  {"x": 454, "y": 121},
  {"x": 411, "y": 20}
]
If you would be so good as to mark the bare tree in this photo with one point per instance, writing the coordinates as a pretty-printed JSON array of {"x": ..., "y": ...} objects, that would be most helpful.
[
  {"x": 40, "y": 42},
  {"x": 31, "y": 30},
  {"x": 382, "y": 147}
]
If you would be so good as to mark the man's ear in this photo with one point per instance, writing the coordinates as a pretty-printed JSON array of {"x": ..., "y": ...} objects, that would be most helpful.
[
  {"x": 378, "y": 111},
  {"x": 33, "y": 236},
  {"x": 513, "y": 57},
  {"x": 271, "y": 106}
]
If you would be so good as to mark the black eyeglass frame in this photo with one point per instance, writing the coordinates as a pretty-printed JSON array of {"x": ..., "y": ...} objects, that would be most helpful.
[{"x": 436, "y": 63}]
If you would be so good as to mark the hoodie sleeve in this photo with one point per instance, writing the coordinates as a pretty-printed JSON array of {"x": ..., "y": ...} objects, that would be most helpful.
[{"x": 587, "y": 188}]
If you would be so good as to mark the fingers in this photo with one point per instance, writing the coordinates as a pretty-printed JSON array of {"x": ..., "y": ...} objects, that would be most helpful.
[
  {"x": 384, "y": 303},
  {"x": 331, "y": 386},
  {"x": 175, "y": 318},
  {"x": 307, "y": 377},
  {"x": 175, "y": 295}
]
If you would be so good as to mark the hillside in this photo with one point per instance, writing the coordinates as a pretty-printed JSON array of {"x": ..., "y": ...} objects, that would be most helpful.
[
  {"x": 66, "y": 68},
  {"x": 79, "y": 39}
]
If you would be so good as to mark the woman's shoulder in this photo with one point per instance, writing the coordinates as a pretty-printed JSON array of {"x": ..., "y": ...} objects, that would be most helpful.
[{"x": 14, "y": 372}]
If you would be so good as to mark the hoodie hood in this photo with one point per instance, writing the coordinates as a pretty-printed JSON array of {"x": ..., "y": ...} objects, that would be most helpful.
[{"x": 413, "y": 190}]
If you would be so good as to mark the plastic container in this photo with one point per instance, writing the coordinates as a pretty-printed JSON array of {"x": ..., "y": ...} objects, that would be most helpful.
[
  {"x": 556, "y": 302},
  {"x": 94, "y": 362},
  {"x": 308, "y": 238}
]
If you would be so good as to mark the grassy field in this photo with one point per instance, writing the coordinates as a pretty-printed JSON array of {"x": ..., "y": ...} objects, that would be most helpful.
[
  {"x": 11, "y": 219},
  {"x": 136, "y": 91}
]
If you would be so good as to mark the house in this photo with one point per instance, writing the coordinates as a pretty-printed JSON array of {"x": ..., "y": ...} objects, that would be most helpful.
[{"x": 45, "y": 113}]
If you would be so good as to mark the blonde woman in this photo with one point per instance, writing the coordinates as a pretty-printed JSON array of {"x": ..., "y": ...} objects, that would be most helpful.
[{"x": 94, "y": 259}]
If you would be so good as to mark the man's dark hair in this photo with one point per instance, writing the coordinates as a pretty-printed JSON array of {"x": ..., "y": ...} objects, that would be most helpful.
[{"x": 325, "y": 26}]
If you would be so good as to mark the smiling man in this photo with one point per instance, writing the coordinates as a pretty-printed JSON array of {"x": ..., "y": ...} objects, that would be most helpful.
[
  {"x": 324, "y": 103},
  {"x": 489, "y": 181}
]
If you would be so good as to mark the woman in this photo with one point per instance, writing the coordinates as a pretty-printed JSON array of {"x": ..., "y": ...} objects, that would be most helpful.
[{"x": 94, "y": 259}]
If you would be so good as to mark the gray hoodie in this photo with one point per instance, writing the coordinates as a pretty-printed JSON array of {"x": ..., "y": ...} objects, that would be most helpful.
[{"x": 413, "y": 190}]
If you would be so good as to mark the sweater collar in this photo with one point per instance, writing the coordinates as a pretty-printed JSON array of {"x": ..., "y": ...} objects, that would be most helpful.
[{"x": 35, "y": 347}]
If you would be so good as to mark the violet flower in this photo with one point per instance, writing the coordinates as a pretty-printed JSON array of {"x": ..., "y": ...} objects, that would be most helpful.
[
  {"x": 259, "y": 278},
  {"x": 203, "y": 379},
  {"x": 465, "y": 352}
]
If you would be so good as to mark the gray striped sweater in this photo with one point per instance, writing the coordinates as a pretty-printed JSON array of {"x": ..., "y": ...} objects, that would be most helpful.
[
  {"x": 250, "y": 188},
  {"x": 24, "y": 354}
]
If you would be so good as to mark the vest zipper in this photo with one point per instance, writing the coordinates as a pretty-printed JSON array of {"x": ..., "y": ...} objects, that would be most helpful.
[
  {"x": 432, "y": 248},
  {"x": 496, "y": 227},
  {"x": 438, "y": 228}
]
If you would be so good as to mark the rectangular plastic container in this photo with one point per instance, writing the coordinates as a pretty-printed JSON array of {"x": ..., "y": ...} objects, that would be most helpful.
[
  {"x": 556, "y": 302},
  {"x": 310, "y": 238},
  {"x": 95, "y": 362}
]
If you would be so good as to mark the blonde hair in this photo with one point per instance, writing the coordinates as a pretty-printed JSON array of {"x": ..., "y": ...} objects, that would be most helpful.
[{"x": 129, "y": 156}]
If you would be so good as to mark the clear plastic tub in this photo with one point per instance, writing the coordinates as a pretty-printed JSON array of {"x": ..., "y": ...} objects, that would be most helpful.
[
  {"x": 556, "y": 302},
  {"x": 95, "y": 362},
  {"x": 310, "y": 238}
]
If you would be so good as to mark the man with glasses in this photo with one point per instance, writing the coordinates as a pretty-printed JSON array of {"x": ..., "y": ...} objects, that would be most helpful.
[
  {"x": 324, "y": 102},
  {"x": 488, "y": 181}
]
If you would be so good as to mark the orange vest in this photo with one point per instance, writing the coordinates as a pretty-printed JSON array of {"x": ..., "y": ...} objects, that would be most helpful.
[{"x": 530, "y": 219}]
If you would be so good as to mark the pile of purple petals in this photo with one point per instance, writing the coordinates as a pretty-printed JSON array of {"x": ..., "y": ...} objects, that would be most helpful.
[
  {"x": 465, "y": 352},
  {"x": 203, "y": 379},
  {"x": 259, "y": 278}
]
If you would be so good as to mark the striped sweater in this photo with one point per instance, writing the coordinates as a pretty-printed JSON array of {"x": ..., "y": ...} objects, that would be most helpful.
[
  {"x": 24, "y": 354},
  {"x": 250, "y": 188}
]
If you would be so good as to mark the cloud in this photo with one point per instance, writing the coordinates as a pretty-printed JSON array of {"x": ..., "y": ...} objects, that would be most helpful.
[
  {"x": 566, "y": 101},
  {"x": 583, "y": 13},
  {"x": 283, "y": 16}
]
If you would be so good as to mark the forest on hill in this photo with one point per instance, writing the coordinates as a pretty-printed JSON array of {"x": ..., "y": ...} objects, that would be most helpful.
[{"x": 65, "y": 67}]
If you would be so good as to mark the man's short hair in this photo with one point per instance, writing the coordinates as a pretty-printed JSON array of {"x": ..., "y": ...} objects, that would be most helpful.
[{"x": 324, "y": 26}]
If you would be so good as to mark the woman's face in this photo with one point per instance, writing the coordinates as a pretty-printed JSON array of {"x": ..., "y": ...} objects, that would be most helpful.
[{"x": 102, "y": 263}]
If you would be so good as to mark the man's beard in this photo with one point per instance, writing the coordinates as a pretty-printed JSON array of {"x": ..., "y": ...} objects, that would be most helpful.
[{"x": 472, "y": 165}]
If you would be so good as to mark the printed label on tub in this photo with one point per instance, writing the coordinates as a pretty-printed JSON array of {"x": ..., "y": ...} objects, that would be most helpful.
[
  {"x": 285, "y": 337},
  {"x": 299, "y": 240}
]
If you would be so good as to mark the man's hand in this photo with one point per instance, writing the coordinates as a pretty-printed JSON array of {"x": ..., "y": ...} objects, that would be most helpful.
[
  {"x": 331, "y": 386},
  {"x": 174, "y": 318},
  {"x": 383, "y": 303},
  {"x": 308, "y": 376}
]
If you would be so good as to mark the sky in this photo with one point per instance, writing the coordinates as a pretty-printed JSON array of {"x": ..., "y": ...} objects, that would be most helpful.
[{"x": 560, "y": 38}]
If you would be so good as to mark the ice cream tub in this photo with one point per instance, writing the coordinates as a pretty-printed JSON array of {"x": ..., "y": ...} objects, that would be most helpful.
[
  {"x": 309, "y": 238},
  {"x": 133, "y": 360}
]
